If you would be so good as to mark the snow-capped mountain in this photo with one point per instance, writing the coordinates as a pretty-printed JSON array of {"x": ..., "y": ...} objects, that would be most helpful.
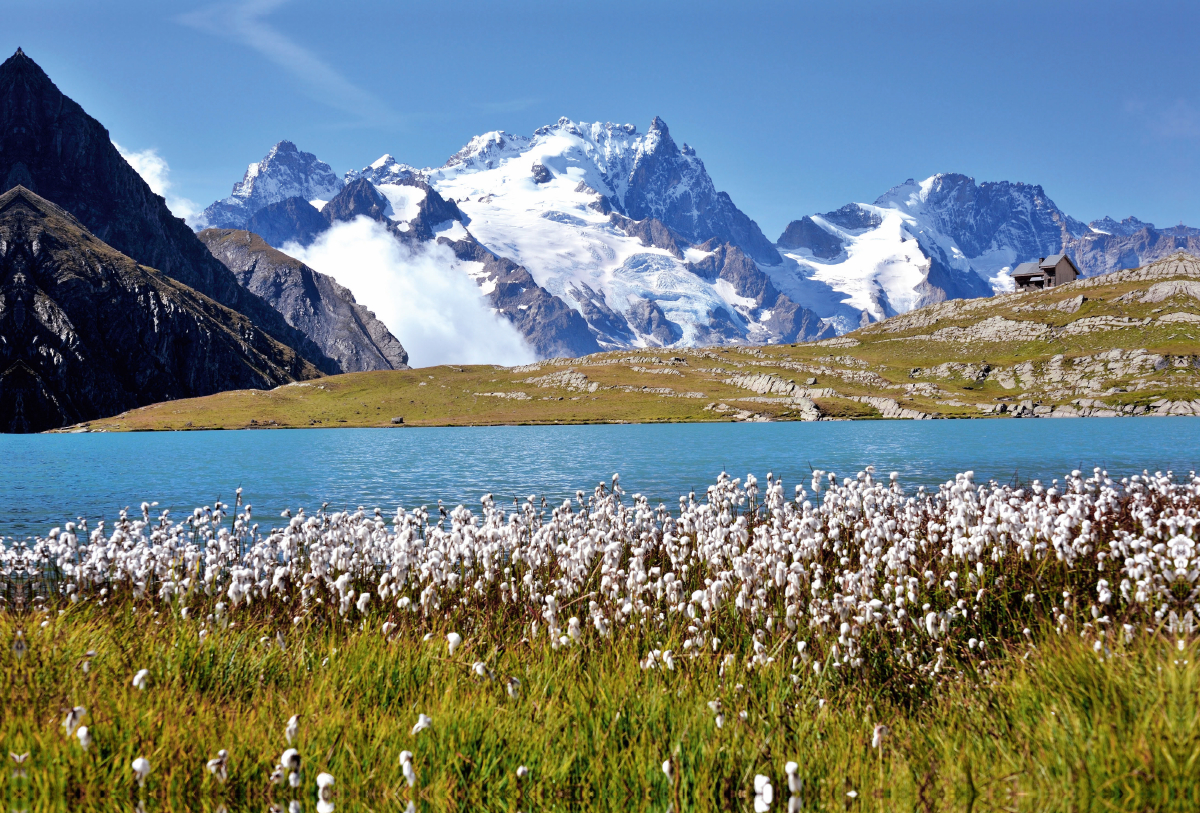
[
  {"x": 921, "y": 242},
  {"x": 623, "y": 229},
  {"x": 284, "y": 173},
  {"x": 623, "y": 240},
  {"x": 947, "y": 237},
  {"x": 638, "y": 175},
  {"x": 1110, "y": 245}
]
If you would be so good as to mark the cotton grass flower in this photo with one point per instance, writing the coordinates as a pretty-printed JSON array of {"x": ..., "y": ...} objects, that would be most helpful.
[
  {"x": 764, "y": 794},
  {"x": 73, "y": 719},
  {"x": 141, "y": 769},
  {"x": 522, "y": 772},
  {"x": 423, "y": 722},
  {"x": 292, "y": 729},
  {"x": 793, "y": 778},
  {"x": 452, "y": 642},
  {"x": 879, "y": 734},
  {"x": 410, "y": 775},
  {"x": 325, "y": 793},
  {"x": 84, "y": 736},
  {"x": 140, "y": 679},
  {"x": 219, "y": 766}
]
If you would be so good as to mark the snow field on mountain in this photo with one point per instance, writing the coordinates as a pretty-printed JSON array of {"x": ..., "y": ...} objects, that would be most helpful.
[
  {"x": 550, "y": 229},
  {"x": 405, "y": 200},
  {"x": 883, "y": 259},
  {"x": 427, "y": 297}
]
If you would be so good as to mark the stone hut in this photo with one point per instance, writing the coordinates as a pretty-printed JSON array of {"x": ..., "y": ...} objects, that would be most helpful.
[{"x": 1045, "y": 273}]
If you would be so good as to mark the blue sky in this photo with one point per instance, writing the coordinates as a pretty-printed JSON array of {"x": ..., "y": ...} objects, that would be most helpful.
[{"x": 794, "y": 107}]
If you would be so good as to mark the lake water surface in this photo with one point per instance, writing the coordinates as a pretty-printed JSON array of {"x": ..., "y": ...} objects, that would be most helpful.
[{"x": 50, "y": 479}]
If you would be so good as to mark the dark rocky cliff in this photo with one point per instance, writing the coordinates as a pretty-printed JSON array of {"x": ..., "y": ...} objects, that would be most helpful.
[
  {"x": 310, "y": 301},
  {"x": 51, "y": 146},
  {"x": 86, "y": 332}
]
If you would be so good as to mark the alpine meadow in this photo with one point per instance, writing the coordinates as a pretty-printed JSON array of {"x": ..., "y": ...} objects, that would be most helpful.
[{"x": 396, "y": 413}]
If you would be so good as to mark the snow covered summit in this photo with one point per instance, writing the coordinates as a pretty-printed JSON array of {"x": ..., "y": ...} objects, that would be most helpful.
[{"x": 284, "y": 173}]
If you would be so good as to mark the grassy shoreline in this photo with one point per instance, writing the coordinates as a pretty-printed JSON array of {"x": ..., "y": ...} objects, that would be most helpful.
[
  {"x": 1055, "y": 727},
  {"x": 1125, "y": 343}
]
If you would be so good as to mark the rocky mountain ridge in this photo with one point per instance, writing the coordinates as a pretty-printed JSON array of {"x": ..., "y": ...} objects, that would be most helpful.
[
  {"x": 621, "y": 227},
  {"x": 1123, "y": 344},
  {"x": 311, "y": 302},
  {"x": 948, "y": 237},
  {"x": 87, "y": 332},
  {"x": 616, "y": 227},
  {"x": 52, "y": 147}
]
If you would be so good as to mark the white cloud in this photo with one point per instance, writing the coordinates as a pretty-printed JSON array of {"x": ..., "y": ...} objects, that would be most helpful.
[
  {"x": 424, "y": 296},
  {"x": 246, "y": 23},
  {"x": 156, "y": 173}
]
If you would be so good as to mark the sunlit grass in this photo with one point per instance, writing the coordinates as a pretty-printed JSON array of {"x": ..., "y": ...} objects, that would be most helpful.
[{"x": 1055, "y": 726}]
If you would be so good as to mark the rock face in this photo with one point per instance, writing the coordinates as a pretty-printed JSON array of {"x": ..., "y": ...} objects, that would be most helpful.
[
  {"x": 311, "y": 302},
  {"x": 1111, "y": 246},
  {"x": 86, "y": 332},
  {"x": 49, "y": 145},
  {"x": 293, "y": 219},
  {"x": 551, "y": 327},
  {"x": 284, "y": 173},
  {"x": 762, "y": 302},
  {"x": 670, "y": 184}
]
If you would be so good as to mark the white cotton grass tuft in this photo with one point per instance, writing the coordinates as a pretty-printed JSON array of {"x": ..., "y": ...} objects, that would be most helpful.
[
  {"x": 140, "y": 679},
  {"x": 666, "y": 769},
  {"x": 73, "y": 719},
  {"x": 879, "y": 734},
  {"x": 84, "y": 736},
  {"x": 793, "y": 777},
  {"x": 325, "y": 793},
  {"x": 423, "y": 722},
  {"x": 539, "y": 562},
  {"x": 522, "y": 772},
  {"x": 141, "y": 769},
  {"x": 410, "y": 775},
  {"x": 764, "y": 793},
  {"x": 293, "y": 728},
  {"x": 219, "y": 766}
]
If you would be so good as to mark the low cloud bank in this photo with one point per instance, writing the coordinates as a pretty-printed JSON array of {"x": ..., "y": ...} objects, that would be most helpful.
[
  {"x": 157, "y": 174},
  {"x": 424, "y": 296}
]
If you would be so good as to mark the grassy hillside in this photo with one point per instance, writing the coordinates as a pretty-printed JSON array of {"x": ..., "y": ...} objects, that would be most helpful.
[{"x": 1125, "y": 343}]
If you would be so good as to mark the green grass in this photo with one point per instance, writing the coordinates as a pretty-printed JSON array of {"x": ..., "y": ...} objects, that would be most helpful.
[
  {"x": 1052, "y": 727},
  {"x": 455, "y": 395}
]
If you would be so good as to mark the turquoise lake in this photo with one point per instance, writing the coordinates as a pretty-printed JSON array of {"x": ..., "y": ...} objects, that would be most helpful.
[{"x": 51, "y": 479}]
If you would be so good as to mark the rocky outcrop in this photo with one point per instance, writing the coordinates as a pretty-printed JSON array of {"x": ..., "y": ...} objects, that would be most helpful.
[
  {"x": 785, "y": 320},
  {"x": 669, "y": 183},
  {"x": 651, "y": 232},
  {"x": 806, "y": 234},
  {"x": 291, "y": 220},
  {"x": 647, "y": 318},
  {"x": 86, "y": 332},
  {"x": 310, "y": 301},
  {"x": 610, "y": 327},
  {"x": 357, "y": 199},
  {"x": 49, "y": 145},
  {"x": 551, "y": 327}
]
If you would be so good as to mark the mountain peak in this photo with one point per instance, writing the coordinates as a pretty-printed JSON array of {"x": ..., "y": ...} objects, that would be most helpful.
[
  {"x": 83, "y": 327},
  {"x": 285, "y": 172}
]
